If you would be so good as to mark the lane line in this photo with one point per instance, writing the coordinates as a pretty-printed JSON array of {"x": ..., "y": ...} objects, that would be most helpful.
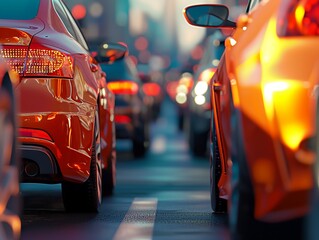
[
  {"x": 158, "y": 145},
  {"x": 138, "y": 222}
]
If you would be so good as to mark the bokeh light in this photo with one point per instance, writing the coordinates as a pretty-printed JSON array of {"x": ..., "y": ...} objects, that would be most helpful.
[
  {"x": 96, "y": 9},
  {"x": 79, "y": 11}
]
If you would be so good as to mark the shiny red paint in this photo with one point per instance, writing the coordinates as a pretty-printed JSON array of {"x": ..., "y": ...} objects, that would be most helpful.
[{"x": 60, "y": 102}]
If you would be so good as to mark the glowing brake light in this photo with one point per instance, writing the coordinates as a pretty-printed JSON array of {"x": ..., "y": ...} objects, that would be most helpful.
[
  {"x": 151, "y": 89},
  {"x": 38, "y": 61},
  {"x": 49, "y": 62},
  {"x": 122, "y": 119},
  {"x": 299, "y": 18},
  {"x": 123, "y": 87}
]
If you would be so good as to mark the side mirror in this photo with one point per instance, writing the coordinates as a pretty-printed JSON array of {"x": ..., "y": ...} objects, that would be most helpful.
[
  {"x": 110, "y": 52},
  {"x": 209, "y": 15}
]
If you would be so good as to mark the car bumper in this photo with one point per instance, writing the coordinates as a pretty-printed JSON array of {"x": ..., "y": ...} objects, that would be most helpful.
[{"x": 63, "y": 124}]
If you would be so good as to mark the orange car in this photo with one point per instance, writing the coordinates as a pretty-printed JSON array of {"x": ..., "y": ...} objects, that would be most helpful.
[
  {"x": 10, "y": 223},
  {"x": 66, "y": 110},
  {"x": 264, "y": 97}
]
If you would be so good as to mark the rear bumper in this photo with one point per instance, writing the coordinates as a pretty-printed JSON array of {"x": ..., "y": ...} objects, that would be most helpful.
[
  {"x": 66, "y": 156},
  {"x": 64, "y": 117},
  {"x": 39, "y": 165}
]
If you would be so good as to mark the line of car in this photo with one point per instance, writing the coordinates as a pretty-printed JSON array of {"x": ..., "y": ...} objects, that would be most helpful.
[
  {"x": 263, "y": 103},
  {"x": 59, "y": 116},
  {"x": 264, "y": 97}
]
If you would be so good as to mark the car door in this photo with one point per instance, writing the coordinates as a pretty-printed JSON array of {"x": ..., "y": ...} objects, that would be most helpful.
[{"x": 224, "y": 92}]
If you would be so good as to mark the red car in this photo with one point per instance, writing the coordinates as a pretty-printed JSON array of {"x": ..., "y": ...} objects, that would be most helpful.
[
  {"x": 10, "y": 224},
  {"x": 66, "y": 110}
]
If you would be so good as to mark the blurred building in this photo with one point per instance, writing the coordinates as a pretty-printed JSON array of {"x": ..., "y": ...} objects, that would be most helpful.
[
  {"x": 103, "y": 20},
  {"x": 148, "y": 27}
]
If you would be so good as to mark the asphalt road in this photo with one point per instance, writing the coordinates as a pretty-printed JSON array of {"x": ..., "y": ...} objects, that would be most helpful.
[{"x": 164, "y": 195}]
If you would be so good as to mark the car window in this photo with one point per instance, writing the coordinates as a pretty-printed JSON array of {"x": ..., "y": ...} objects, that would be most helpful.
[
  {"x": 16, "y": 9},
  {"x": 119, "y": 70},
  {"x": 59, "y": 9},
  {"x": 69, "y": 23},
  {"x": 214, "y": 49},
  {"x": 78, "y": 33},
  {"x": 131, "y": 67}
]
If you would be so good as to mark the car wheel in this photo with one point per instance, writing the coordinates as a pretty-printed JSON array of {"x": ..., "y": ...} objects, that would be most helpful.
[
  {"x": 140, "y": 142},
  {"x": 241, "y": 207},
  {"x": 109, "y": 174},
  {"x": 197, "y": 140},
  {"x": 198, "y": 143},
  {"x": 10, "y": 223},
  {"x": 218, "y": 204},
  {"x": 138, "y": 148},
  {"x": 87, "y": 196},
  {"x": 108, "y": 179}
]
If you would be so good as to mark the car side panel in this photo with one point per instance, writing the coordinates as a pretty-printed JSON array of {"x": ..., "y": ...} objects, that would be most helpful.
[
  {"x": 276, "y": 175},
  {"x": 54, "y": 106}
]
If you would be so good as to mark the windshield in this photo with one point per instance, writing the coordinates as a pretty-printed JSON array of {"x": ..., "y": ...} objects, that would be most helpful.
[{"x": 16, "y": 9}]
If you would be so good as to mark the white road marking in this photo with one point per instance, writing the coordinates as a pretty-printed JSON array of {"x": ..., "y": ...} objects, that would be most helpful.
[
  {"x": 158, "y": 145},
  {"x": 138, "y": 222}
]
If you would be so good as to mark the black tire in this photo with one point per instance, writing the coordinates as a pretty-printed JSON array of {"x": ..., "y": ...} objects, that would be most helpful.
[
  {"x": 241, "y": 210},
  {"x": 197, "y": 140},
  {"x": 87, "y": 196},
  {"x": 180, "y": 122},
  {"x": 218, "y": 204},
  {"x": 198, "y": 143},
  {"x": 139, "y": 148},
  {"x": 107, "y": 181},
  {"x": 141, "y": 140},
  {"x": 109, "y": 174}
]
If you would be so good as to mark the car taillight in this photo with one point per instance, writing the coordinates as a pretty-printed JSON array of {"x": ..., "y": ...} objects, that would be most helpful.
[
  {"x": 34, "y": 133},
  {"x": 48, "y": 62},
  {"x": 298, "y": 18},
  {"x": 15, "y": 57},
  {"x": 123, "y": 87},
  {"x": 151, "y": 89},
  {"x": 122, "y": 119},
  {"x": 38, "y": 61}
]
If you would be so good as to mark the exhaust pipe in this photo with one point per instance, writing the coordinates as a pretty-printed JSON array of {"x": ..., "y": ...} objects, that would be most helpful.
[{"x": 31, "y": 169}]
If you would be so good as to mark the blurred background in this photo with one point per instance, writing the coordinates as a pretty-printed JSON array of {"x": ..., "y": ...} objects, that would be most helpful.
[
  {"x": 156, "y": 33},
  {"x": 166, "y": 50}
]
